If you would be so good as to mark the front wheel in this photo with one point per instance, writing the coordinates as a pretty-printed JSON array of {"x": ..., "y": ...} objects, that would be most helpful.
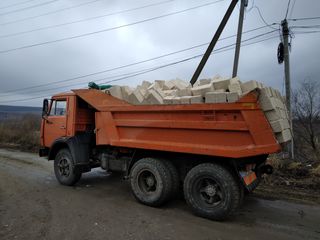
[
  {"x": 212, "y": 191},
  {"x": 64, "y": 168}
]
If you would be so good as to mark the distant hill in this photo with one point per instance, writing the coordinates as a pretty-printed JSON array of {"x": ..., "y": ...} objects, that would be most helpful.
[{"x": 16, "y": 111}]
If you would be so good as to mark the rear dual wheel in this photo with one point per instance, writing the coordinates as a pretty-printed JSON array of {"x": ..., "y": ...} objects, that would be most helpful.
[
  {"x": 212, "y": 191},
  {"x": 153, "y": 181}
]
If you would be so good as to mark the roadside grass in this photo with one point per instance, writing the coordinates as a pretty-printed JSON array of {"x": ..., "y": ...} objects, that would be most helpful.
[{"x": 21, "y": 132}]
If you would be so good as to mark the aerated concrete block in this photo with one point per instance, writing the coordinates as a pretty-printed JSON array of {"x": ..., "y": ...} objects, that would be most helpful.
[
  {"x": 221, "y": 83},
  {"x": 168, "y": 85},
  {"x": 249, "y": 86},
  {"x": 176, "y": 100},
  {"x": 235, "y": 80},
  {"x": 115, "y": 91},
  {"x": 202, "y": 90},
  {"x": 179, "y": 84},
  {"x": 196, "y": 99},
  {"x": 275, "y": 114},
  {"x": 268, "y": 104},
  {"x": 126, "y": 91},
  {"x": 184, "y": 92},
  {"x": 284, "y": 136},
  {"x": 235, "y": 88},
  {"x": 145, "y": 84},
  {"x": 232, "y": 97},
  {"x": 204, "y": 81},
  {"x": 135, "y": 97},
  {"x": 168, "y": 100},
  {"x": 172, "y": 93},
  {"x": 280, "y": 125},
  {"x": 153, "y": 97},
  {"x": 185, "y": 100},
  {"x": 215, "y": 97}
]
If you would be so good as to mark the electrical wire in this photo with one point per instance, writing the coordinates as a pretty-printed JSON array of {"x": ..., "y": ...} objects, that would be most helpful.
[
  {"x": 291, "y": 11},
  {"x": 85, "y": 19},
  {"x": 289, "y": 1},
  {"x": 49, "y": 13},
  {"x": 262, "y": 18},
  {"x": 309, "y": 26},
  {"x": 129, "y": 65},
  {"x": 16, "y": 4},
  {"x": 229, "y": 47},
  {"x": 303, "y": 19},
  {"x": 108, "y": 29},
  {"x": 27, "y": 8}
]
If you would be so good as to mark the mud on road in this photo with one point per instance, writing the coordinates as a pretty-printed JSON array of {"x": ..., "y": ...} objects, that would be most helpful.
[{"x": 34, "y": 206}]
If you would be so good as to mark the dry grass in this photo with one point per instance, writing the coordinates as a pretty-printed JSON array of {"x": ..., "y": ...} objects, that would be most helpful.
[{"x": 21, "y": 132}]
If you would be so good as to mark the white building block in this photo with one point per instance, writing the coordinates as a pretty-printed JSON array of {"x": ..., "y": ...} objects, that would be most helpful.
[
  {"x": 268, "y": 104},
  {"x": 176, "y": 100},
  {"x": 126, "y": 91},
  {"x": 185, "y": 100},
  {"x": 232, "y": 97},
  {"x": 172, "y": 93},
  {"x": 235, "y": 80},
  {"x": 221, "y": 83},
  {"x": 204, "y": 81},
  {"x": 153, "y": 97},
  {"x": 160, "y": 83},
  {"x": 275, "y": 114},
  {"x": 280, "y": 125},
  {"x": 184, "y": 92},
  {"x": 235, "y": 88},
  {"x": 179, "y": 84},
  {"x": 168, "y": 100},
  {"x": 202, "y": 90},
  {"x": 215, "y": 97},
  {"x": 196, "y": 99},
  {"x": 249, "y": 86},
  {"x": 284, "y": 136},
  {"x": 115, "y": 91},
  {"x": 168, "y": 85},
  {"x": 135, "y": 97},
  {"x": 145, "y": 84}
]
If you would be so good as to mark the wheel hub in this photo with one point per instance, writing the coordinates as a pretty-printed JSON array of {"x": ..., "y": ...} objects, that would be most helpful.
[
  {"x": 150, "y": 181},
  {"x": 210, "y": 190}
]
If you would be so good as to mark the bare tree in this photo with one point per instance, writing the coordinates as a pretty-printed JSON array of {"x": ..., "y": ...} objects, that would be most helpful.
[{"x": 306, "y": 113}]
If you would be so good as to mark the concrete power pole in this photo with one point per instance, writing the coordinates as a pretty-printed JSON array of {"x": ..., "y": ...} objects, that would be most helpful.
[
  {"x": 285, "y": 34},
  {"x": 244, "y": 3}
]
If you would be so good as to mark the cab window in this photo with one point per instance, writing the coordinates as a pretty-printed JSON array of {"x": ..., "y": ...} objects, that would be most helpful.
[{"x": 58, "y": 108}]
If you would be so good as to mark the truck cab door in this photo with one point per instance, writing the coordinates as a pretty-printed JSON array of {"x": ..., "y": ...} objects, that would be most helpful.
[{"x": 55, "y": 125}]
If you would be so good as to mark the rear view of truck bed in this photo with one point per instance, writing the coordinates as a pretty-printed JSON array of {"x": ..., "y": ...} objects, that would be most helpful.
[{"x": 233, "y": 130}]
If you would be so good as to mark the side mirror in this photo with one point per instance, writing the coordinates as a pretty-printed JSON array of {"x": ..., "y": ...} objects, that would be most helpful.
[{"x": 45, "y": 108}]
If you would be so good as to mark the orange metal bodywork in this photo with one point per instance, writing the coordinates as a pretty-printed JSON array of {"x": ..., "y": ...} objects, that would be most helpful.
[{"x": 233, "y": 130}]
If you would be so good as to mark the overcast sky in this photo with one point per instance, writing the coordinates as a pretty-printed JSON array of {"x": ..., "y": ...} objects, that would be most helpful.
[{"x": 49, "y": 63}]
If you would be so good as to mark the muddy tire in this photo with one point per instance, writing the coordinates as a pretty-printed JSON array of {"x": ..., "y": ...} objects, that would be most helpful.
[
  {"x": 212, "y": 191},
  {"x": 64, "y": 168},
  {"x": 175, "y": 186},
  {"x": 151, "y": 182}
]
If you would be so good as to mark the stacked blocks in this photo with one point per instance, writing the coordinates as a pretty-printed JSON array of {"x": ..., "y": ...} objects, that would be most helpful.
[{"x": 212, "y": 91}]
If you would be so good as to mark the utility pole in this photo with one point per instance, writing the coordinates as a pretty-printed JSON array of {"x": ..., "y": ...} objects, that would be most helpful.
[
  {"x": 244, "y": 3},
  {"x": 285, "y": 34}
]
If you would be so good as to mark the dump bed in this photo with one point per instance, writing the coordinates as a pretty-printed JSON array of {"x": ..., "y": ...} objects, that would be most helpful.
[{"x": 226, "y": 129}]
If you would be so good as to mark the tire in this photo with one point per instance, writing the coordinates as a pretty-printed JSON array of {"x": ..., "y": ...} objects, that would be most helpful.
[
  {"x": 64, "y": 168},
  {"x": 212, "y": 191},
  {"x": 151, "y": 182},
  {"x": 175, "y": 186}
]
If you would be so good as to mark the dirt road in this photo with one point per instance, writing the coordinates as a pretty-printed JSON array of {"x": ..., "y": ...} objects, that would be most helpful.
[{"x": 34, "y": 206}]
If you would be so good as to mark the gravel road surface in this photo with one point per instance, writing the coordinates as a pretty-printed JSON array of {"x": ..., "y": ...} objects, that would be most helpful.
[{"x": 34, "y": 206}]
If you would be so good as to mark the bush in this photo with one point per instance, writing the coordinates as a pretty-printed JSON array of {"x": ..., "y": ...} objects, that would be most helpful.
[{"x": 21, "y": 132}]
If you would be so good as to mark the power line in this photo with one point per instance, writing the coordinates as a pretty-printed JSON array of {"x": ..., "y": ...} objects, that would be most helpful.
[
  {"x": 303, "y": 19},
  {"x": 84, "y": 20},
  {"x": 289, "y": 1},
  {"x": 291, "y": 11},
  {"x": 226, "y": 48},
  {"x": 128, "y": 65},
  {"x": 49, "y": 13},
  {"x": 16, "y": 4},
  {"x": 231, "y": 46},
  {"x": 27, "y": 8},
  {"x": 108, "y": 29},
  {"x": 262, "y": 18},
  {"x": 309, "y": 26}
]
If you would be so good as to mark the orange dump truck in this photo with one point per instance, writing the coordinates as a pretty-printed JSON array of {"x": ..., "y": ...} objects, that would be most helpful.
[{"x": 215, "y": 152}]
